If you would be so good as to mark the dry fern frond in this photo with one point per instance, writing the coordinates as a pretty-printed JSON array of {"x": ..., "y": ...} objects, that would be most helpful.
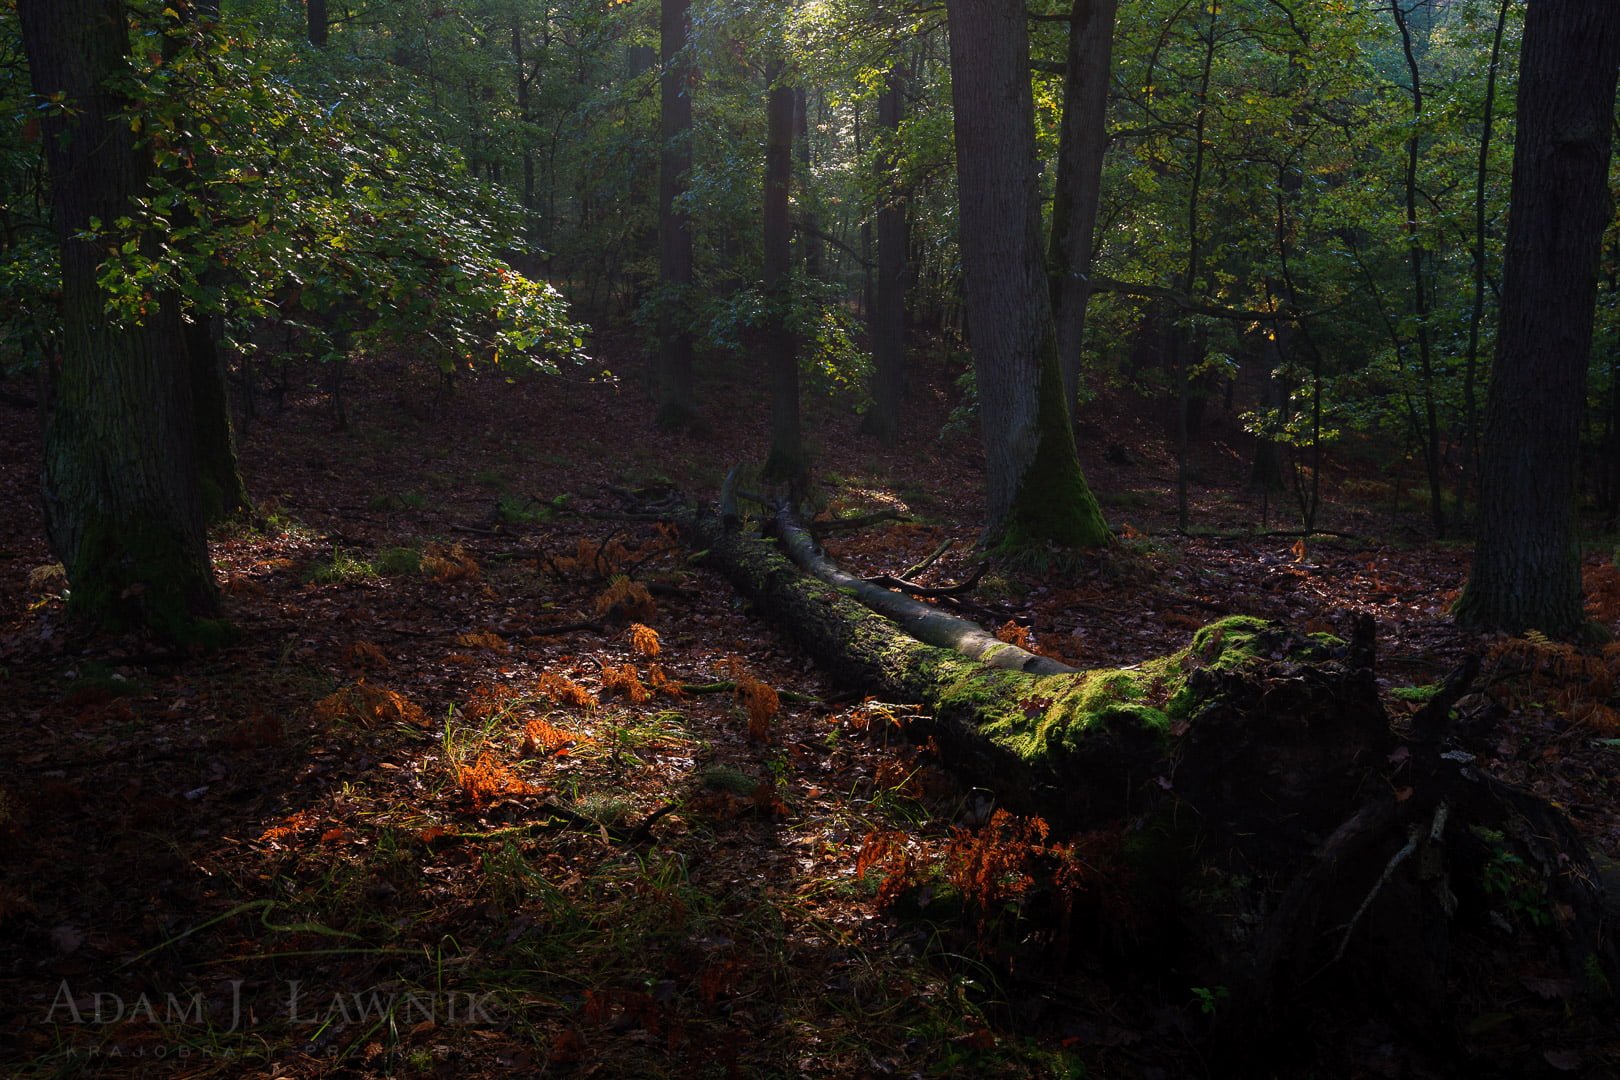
[
  {"x": 625, "y": 601},
  {"x": 541, "y": 736},
  {"x": 995, "y": 865},
  {"x": 643, "y": 640},
  {"x": 757, "y": 698},
  {"x": 482, "y": 639},
  {"x": 662, "y": 683},
  {"x": 42, "y": 577},
  {"x": 1602, "y": 587},
  {"x": 886, "y": 850},
  {"x": 488, "y": 701},
  {"x": 366, "y": 704},
  {"x": 487, "y": 779},
  {"x": 447, "y": 564},
  {"x": 623, "y": 677},
  {"x": 562, "y": 690},
  {"x": 1013, "y": 634},
  {"x": 365, "y": 654},
  {"x": 291, "y": 825}
]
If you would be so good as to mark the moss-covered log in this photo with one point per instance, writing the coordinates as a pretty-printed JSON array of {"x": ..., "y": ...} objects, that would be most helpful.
[{"x": 1282, "y": 841}]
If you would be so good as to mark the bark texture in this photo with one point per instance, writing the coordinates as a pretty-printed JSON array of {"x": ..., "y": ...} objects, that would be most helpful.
[
  {"x": 316, "y": 25},
  {"x": 888, "y": 319},
  {"x": 1526, "y": 571},
  {"x": 1082, "y": 141},
  {"x": 786, "y": 460},
  {"x": 1035, "y": 492},
  {"x": 122, "y": 504},
  {"x": 675, "y": 408}
]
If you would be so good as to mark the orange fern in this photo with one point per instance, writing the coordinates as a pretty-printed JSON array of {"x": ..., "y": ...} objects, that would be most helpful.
[
  {"x": 643, "y": 640},
  {"x": 446, "y": 564},
  {"x": 758, "y": 700},
  {"x": 366, "y": 704},
  {"x": 624, "y": 599},
  {"x": 1013, "y": 634},
  {"x": 540, "y": 736},
  {"x": 624, "y": 678},
  {"x": 562, "y": 690},
  {"x": 662, "y": 683},
  {"x": 487, "y": 779}
]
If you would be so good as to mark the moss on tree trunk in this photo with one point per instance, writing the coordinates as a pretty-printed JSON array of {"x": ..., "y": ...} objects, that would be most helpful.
[{"x": 1053, "y": 504}]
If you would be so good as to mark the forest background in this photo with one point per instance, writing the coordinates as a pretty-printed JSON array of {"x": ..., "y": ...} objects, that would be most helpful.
[{"x": 469, "y": 216}]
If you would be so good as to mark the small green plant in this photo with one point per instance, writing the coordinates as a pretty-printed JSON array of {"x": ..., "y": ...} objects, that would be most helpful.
[
  {"x": 398, "y": 561},
  {"x": 344, "y": 567},
  {"x": 396, "y": 500},
  {"x": 522, "y": 510},
  {"x": 1209, "y": 998},
  {"x": 1509, "y": 879},
  {"x": 1415, "y": 694},
  {"x": 778, "y": 765}
]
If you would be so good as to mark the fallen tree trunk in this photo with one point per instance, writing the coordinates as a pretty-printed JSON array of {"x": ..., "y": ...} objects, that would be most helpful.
[
  {"x": 922, "y": 621},
  {"x": 1282, "y": 838}
]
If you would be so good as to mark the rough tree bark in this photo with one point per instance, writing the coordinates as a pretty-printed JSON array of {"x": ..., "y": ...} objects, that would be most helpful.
[
  {"x": 1035, "y": 492},
  {"x": 1526, "y": 572},
  {"x": 675, "y": 408},
  {"x": 316, "y": 25},
  {"x": 786, "y": 460},
  {"x": 1082, "y": 142},
  {"x": 888, "y": 308},
  {"x": 123, "y": 508}
]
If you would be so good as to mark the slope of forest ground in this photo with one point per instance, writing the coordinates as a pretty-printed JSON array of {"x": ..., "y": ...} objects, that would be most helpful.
[{"x": 443, "y": 810}]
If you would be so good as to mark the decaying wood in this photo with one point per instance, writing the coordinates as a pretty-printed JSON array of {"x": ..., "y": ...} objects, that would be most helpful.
[
  {"x": 922, "y": 621},
  {"x": 1301, "y": 843}
]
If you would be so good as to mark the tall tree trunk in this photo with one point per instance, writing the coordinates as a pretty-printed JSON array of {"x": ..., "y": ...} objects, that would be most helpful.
[
  {"x": 1035, "y": 492},
  {"x": 1526, "y": 572},
  {"x": 804, "y": 164},
  {"x": 316, "y": 23},
  {"x": 122, "y": 506},
  {"x": 1470, "y": 440},
  {"x": 1417, "y": 261},
  {"x": 888, "y": 309},
  {"x": 223, "y": 492},
  {"x": 1186, "y": 347},
  {"x": 675, "y": 409},
  {"x": 525, "y": 116},
  {"x": 1082, "y": 141},
  {"x": 786, "y": 460}
]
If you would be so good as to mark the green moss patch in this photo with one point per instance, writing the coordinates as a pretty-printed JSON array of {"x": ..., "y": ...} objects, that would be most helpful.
[{"x": 1060, "y": 712}]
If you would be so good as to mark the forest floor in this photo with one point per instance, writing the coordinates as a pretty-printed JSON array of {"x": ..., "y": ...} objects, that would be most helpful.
[{"x": 442, "y": 811}]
